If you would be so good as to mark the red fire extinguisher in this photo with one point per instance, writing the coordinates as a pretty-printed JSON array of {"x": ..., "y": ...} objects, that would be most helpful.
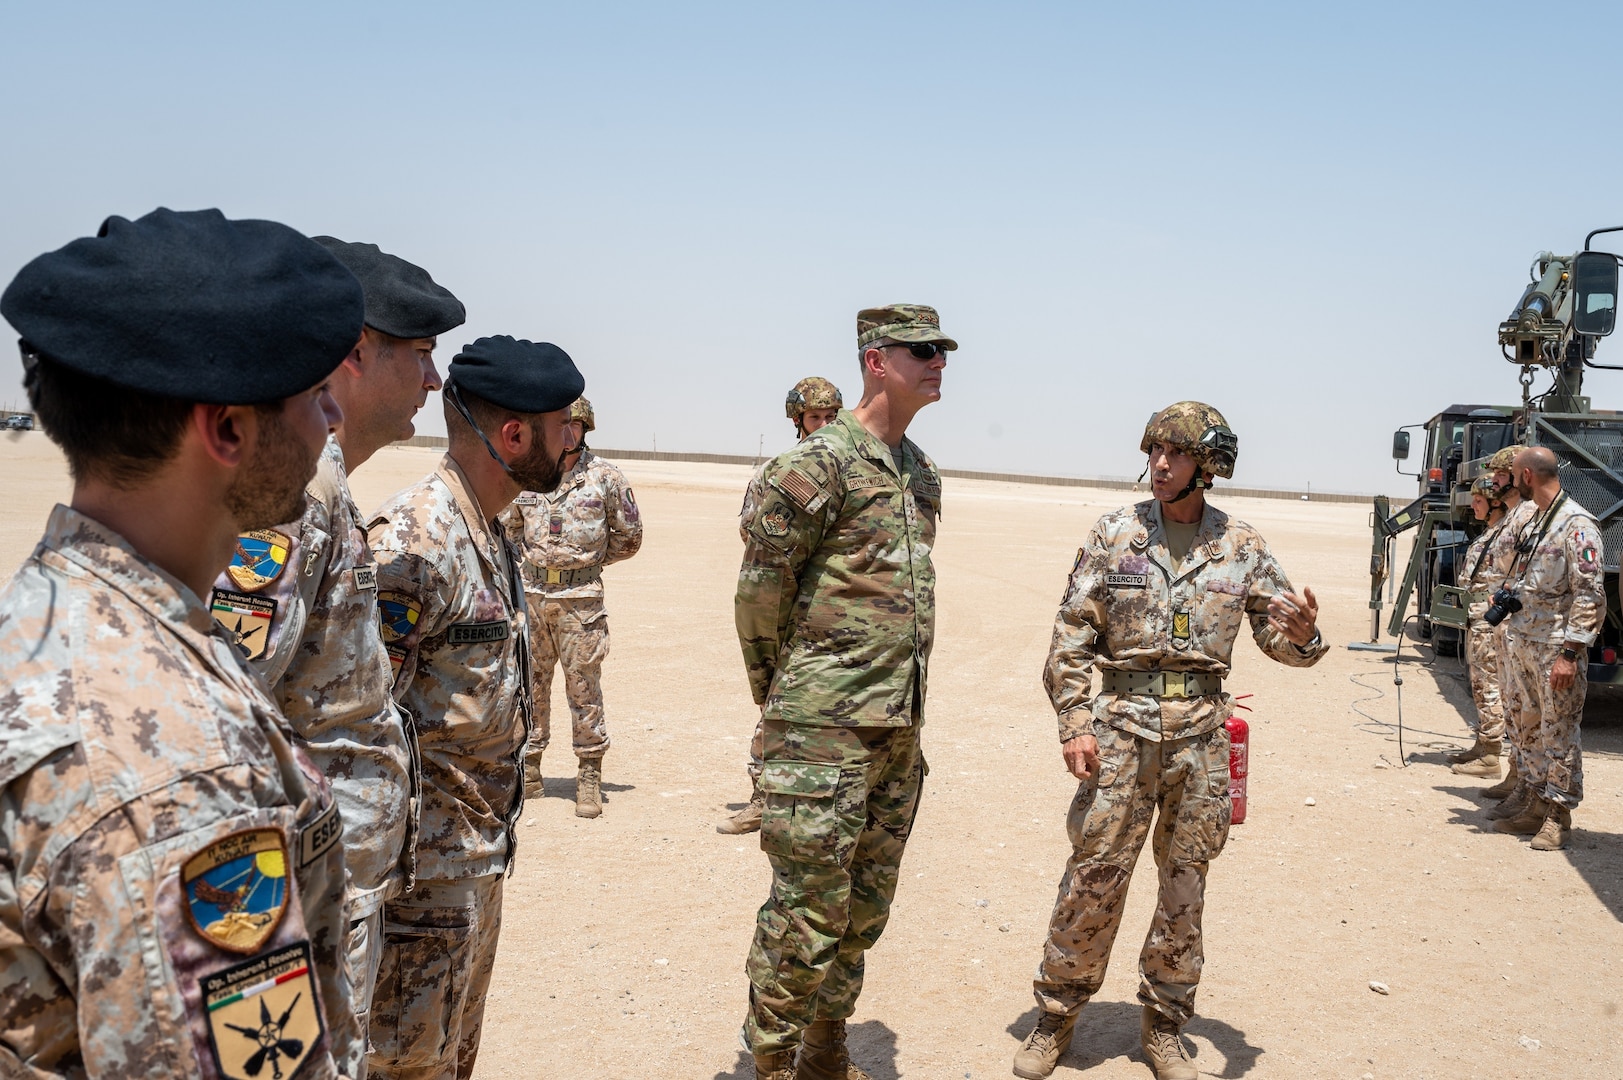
[{"x": 1239, "y": 759}]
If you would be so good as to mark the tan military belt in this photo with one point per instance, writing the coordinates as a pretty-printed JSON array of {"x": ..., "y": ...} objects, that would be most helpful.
[
  {"x": 1162, "y": 684},
  {"x": 536, "y": 574}
]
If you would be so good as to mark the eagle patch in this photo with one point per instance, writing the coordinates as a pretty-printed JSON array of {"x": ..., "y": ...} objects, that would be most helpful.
[
  {"x": 236, "y": 889},
  {"x": 259, "y": 559}
]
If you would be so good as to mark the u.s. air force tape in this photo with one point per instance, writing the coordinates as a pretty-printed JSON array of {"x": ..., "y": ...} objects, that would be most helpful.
[
  {"x": 477, "y": 633},
  {"x": 1123, "y": 581}
]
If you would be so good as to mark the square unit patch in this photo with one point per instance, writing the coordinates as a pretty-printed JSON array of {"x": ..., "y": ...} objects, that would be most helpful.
[
  {"x": 246, "y": 619},
  {"x": 263, "y": 1012}
]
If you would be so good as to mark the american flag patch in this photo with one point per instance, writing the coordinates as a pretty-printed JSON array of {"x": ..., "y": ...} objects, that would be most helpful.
[{"x": 804, "y": 493}]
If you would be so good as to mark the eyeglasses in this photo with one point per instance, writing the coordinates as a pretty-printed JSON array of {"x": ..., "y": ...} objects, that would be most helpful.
[{"x": 923, "y": 350}]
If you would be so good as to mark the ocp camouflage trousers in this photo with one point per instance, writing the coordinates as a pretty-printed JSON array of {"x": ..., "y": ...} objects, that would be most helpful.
[
  {"x": 574, "y": 632},
  {"x": 840, "y": 804},
  {"x": 1483, "y": 659},
  {"x": 1183, "y": 785},
  {"x": 1545, "y": 722},
  {"x": 439, "y": 946}
]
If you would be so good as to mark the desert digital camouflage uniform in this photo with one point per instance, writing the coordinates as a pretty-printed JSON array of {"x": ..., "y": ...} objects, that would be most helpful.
[
  {"x": 1501, "y": 555},
  {"x": 1482, "y": 577},
  {"x": 836, "y": 617},
  {"x": 323, "y": 658},
  {"x": 452, "y": 614},
  {"x": 1128, "y": 609},
  {"x": 164, "y": 843},
  {"x": 1561, "y": 588},
  {"x": 589, "y": 521}
]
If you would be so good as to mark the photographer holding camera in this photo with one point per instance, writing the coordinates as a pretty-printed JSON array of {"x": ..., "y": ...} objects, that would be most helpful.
[{"x": 1551, "y": 605}]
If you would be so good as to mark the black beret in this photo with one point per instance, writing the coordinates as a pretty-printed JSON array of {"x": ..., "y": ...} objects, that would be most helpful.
[
  {"x": 524, "y": 376},
  {"x": 191, "y": 306},
  {"x": 401, "y": 299}
]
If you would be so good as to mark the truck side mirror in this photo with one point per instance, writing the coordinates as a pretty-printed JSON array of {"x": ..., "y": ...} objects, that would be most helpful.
[
  {"x": 1400, "y": 445},
  {"x": 1594, "y": 280}
]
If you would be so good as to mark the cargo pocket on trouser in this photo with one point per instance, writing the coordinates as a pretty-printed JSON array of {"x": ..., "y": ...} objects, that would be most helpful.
[
  {"x": 1203, "y": 820},
  {"x": 766, "y": 953},
  {"x": 1098, "y": 816},
  {"x": 800, "y": 819},
  {"x": 423, "y": 974}
]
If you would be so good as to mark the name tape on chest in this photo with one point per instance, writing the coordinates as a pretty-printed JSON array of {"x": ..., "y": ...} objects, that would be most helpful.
[
  {"x": 1124, "y": 581},
  {"x": 366, "y": 578},
  {"x": 478, "y": 633},
  {"x": 316, "y": 838}
]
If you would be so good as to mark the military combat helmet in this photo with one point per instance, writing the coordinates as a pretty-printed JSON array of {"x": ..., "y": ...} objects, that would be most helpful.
[
  {"x": 811, "y": 393},
  {"x": 1503, "y": 460},
  {"x": 1199, "y": 431},
  {"x": 1485, "y": 487},
  {"x": 581, "y": 410}
]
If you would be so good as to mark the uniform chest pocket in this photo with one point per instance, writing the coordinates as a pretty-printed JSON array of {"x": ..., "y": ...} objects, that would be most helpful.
[{"x": 801, "y": 819}]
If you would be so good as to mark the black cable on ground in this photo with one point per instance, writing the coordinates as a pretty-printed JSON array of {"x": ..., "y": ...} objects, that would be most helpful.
[{"x": 1397, "y": 680}]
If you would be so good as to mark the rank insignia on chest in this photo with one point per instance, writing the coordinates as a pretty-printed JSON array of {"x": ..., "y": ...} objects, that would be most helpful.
[
  {"x": 1124, "y": 581},
  {"x": 261, "y": 1012},
  {"x": 555, "y": 525},
  {"x": 246, "y": 619},
  {"x": 1180, "y": 626},
  {"x": 259, "y": 559},
  {"x": 236, "y": 889},
  {"x": 397, "y": 614}
]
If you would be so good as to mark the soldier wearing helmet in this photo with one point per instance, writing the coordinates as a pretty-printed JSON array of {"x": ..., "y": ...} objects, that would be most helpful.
[
  {"x": 812, "y": 402},
  {"x": 568, "y": 535},
  {"x": 1479, "y": 577},
  {"x": 1155, "y": 600},
  {"x": 1483, "y": 758}
]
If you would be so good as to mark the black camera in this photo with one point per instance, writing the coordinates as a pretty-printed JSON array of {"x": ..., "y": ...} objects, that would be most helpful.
[{"x": 1503, "y": 602}]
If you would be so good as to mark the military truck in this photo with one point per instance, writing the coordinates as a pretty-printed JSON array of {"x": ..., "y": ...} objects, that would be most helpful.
[{"x": 1570, "y": 304}]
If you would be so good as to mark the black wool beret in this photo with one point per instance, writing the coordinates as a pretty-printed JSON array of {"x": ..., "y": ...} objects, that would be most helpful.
[
  {"x": 401, "y": 299},
  {"x": 191, "y": 305},
  {"x": 524, "y": 376}
]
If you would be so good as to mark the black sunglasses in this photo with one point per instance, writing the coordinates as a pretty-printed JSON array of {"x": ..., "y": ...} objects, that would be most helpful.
[{"x": 924, "y": 350}]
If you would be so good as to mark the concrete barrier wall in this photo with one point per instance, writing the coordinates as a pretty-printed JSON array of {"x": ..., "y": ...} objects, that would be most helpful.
[{"x": 961, "y": 474}]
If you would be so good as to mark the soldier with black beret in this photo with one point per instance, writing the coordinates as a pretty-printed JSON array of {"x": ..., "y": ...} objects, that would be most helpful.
[
  {"x": 171, "y": 883},
  {"x": 301, "y": 600},
  {"x": 451, "y": 603}
]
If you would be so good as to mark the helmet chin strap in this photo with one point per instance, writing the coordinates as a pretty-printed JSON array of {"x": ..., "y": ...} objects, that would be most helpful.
[{"x": 1195, "y": 482}]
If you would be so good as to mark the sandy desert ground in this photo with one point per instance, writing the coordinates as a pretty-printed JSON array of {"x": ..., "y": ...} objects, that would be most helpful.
[{"x": 624, "y": 940}]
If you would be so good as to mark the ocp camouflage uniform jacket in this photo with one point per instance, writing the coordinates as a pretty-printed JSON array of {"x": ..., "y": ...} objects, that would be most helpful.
[
  {"x": 1127, "y": 608},
  {"x": 590, "y": 519},
  {"x": 754, "y": 493},
  {"x": 1561, "y": 583},
  {"x": 836, "y": 596},
  {"x": 327, "y": 668},
  {"x": 453, "y": 624},
  {"x": 132, "y": 741}
]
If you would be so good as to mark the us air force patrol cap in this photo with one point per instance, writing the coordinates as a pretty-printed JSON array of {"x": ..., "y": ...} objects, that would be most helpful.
[
  {"x": 902, "y": 322},
  {"x": 524, "y": 376},
  {"x": 401, "y": 299},
  {"x": 192, "y": 306}
]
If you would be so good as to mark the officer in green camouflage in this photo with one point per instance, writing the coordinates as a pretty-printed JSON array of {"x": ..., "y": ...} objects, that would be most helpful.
[
  {"x": 1155, "y": 601},
  {"x": 836, "y": 615},
  {"x": 812, "y": 403}
]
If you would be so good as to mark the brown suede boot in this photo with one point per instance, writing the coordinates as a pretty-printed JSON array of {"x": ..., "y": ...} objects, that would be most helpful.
[
  {"x": 823, "y": 1055},
  {"x": 533, "y": 784},
  {"x": 1556, "y": 830},
  {"x": 588, "y": 788},
  {"x": 779, "y": 1066},
  {"x": 1529, "y": 821},
  {"x": 1158, "y": 1036},
  {"x": 1504, "y": 788},
  {"x": 747, "y": 820},
  {"x": 1511, "y": 804},
  {"x": 1481, "y": 760},
  {"x": 1045, "y": 1045}
]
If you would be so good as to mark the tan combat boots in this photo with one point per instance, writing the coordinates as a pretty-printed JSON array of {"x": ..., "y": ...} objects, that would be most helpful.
[
  {"x": 1045, "y": 1046},
  {"x": 1481, "y": 760},
  {"x": 779, "y": 1066},
  {"x": 823, "y": 1055},
  {"x": 1158, "y": 1036},
  {"x": 747, "y": 820},
  {"x": 588, "y": 788}
]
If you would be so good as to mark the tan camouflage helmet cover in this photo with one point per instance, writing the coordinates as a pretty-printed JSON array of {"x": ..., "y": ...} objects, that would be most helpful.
[
  {"x": 1503, "y": 460},
  {"x": 812, "y": 393},
  {"x": 902, "y": 322},
  {"x": 1485, "y": 487},
  {"x": 581, "y": 410},
  {"x": 1197, "y": 429}
]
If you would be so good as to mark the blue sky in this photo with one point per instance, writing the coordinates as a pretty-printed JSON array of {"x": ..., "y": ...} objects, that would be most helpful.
[{"x": 1312, "y": 216}]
